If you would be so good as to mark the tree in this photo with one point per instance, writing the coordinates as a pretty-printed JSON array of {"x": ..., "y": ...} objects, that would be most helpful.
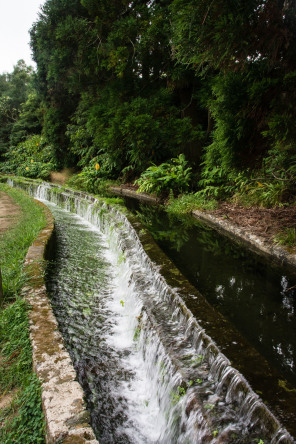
[
  {"x": 246, "y": 52},
  {"x": 14, "y": 90},
  {"x": 106, "y": 73}
]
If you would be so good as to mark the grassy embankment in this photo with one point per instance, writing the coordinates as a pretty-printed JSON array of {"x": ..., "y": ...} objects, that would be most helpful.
[{"x": 21, "y": 418}]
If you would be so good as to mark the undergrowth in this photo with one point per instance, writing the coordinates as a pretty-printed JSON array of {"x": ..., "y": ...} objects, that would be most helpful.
[
  {"x": 186, "y": 203},
  {"x": 286, "y": 237},
  {"x": 15, "y": 242},
  {"x": 170, "y": 177},
  {"x": 90, "y": 182},
  {"x": 21, "y": 420}
]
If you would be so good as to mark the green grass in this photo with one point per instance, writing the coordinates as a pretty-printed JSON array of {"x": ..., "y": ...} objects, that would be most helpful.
[
  {"x": 22, "y": 420},
  {"x": 286, "y": 237},
  {"x": 14, "y": 243},
  {"x": 186, "y": 203}
]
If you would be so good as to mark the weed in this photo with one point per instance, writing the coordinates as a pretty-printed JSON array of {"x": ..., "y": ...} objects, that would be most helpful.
[
  {"x": 137, "y": 333},
  {"x": 284, "y": 384},
  {"x": 167, "y": 177},
  {"x": 89, "y": 180},
  {"x": 27, "y": 425},
  {"x": 286, "y": 237},
  {"x": 264, "y": 194},
  {"x": 121, "y": 258},
  {"x": 177, "y": 395},
  {"x": 122, "y": 303},
  {"x": 196, "y": 381},
  {"x": 22, "y": 421},
  {"x": 15, "y": 242},
  {"x": 197, "y": 360},
  {"x": 186, "y": 203},
  {"x": 209, "y": 406}
]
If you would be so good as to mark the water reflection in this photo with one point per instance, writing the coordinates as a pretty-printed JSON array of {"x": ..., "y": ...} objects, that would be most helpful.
[{"x": 259, "y": 299}]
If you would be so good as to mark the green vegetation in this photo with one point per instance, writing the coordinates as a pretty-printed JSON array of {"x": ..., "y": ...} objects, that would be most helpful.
[
  {"x": 186, "y": 203},
  {"x": 173, "y": 176},
  {"x": 286, "y": 237},
  {"x": 88, "y": 180},
  {"x": 22, "y": 420},
  {"x": 20, "y": 115},
  {"x": 15, "y": 242},
  {"x": 177, "y": 395},
  {"x": 31, "y": 158},
  {"x": 180, "y": 96}
]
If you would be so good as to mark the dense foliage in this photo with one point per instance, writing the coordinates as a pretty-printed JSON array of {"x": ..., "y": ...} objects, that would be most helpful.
[
  {"x": 18, "y": 106},
  {"x": 130, "y": 84}
]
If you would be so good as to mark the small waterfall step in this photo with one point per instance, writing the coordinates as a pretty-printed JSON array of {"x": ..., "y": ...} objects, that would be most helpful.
[{"x": 140, "y": 336}]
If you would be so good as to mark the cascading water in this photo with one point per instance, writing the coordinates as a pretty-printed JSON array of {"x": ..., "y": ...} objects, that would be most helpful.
[{"x": 151, "y": 374}]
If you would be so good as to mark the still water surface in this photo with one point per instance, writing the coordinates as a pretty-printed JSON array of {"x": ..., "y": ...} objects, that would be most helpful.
[{"x": 254, "y": 295}]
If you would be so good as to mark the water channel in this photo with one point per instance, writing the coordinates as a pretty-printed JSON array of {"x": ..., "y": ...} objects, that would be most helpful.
[
  {"x": 258, "y": 297},
  {"x": 150, "y": 371}
]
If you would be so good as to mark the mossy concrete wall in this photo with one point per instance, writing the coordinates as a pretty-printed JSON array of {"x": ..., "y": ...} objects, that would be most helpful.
[
  {"x": 134, "y": 194},
  {"x": 67, "y": 420},
  {"x": 275, "y": 253}
]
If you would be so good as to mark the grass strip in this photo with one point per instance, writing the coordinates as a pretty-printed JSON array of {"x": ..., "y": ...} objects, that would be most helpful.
[
  {"x": 21, "y": 418},
  {"x": 15, "y": 242}
]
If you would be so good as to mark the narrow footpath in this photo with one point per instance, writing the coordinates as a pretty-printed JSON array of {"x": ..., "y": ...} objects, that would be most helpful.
[{"x": 9, "y": 212}]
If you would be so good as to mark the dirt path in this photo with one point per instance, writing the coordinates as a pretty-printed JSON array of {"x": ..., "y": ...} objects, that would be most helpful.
[{"x": 9, "y": 212}]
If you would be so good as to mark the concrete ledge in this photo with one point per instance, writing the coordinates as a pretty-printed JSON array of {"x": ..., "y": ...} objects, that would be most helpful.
[
  {"x": 275, "y": 253},
  {"x": 132, "y": 193},
  {"x": 67, "y": 420}
]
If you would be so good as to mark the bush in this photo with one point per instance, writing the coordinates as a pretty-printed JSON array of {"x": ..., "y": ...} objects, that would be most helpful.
[
  {"x": 186, "y": 203},
  {"x": 126, "y": 137},
  {"x": 286, "y": 237},
  {"x": 173, "y": 176},
  {"x": 90, "y": 180},
  {"x": 32, "y": 158}
]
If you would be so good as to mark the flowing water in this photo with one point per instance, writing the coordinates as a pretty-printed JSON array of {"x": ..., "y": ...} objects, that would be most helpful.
[
  {"x": 257, "y": 297},
  {"x": 150, "y": 372}
]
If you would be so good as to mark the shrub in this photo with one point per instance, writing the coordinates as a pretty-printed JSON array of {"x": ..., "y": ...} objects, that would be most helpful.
[
  {"x": 286, "y": 237},
  {"x": 31, "y": 158},
  {"x": 90, "y": 180},
  {"x": 173, "y": 176},
  {"x": 186, "y": 203}
]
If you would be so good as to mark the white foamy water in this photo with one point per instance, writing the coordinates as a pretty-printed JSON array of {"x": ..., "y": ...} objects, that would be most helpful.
[{"x": 150, "y": 372}]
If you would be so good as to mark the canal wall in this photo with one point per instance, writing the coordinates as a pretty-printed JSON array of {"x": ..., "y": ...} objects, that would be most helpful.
[
  {"x": 274, "y": 253},
  {"x": 227, "y": 378},
  {"x": 67, "y": 420}
]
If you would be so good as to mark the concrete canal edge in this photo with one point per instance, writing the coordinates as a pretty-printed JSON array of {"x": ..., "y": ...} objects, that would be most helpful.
[
  {"x": 274, "y": 253},
  {"x": 67, "y": 420}
]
